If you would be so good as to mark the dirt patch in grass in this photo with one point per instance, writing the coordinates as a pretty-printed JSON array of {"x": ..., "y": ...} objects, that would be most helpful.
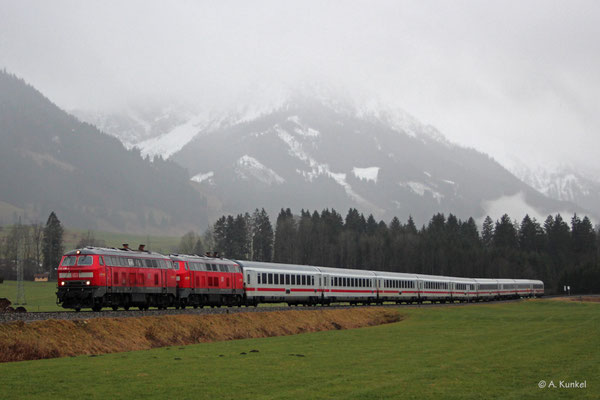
[{"x": 61, "y": 338}]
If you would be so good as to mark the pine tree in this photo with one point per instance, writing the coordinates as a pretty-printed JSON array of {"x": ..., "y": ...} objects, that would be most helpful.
[
  {"x": 285, "y": 237},
  {"x": 304, "y": 240},
  {"x": 52, "y": 245},
  {"x": 505, "y": 233},
  {"x": 262, "y": 236},
  {"x": 487, "y": 231},
  {"x": 240, "y": 237},
  {"x": 219, "y": 233},
  {"x": 528, "y": 235}
]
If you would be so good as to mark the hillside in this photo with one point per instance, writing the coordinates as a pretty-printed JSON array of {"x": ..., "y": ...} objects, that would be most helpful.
[{"x": 49, "y": 160}]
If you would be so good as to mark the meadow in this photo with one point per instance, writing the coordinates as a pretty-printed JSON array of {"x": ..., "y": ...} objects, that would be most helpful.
[
  {"x": 487, "y": 351},
  {"x": 39, "y": 296}
]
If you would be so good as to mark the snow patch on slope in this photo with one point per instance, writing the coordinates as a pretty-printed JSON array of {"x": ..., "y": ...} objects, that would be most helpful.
[
  {"x": 422, "y": 188},
  {"x": 201, "y": 177},
  {"x": 171, "y": 142},
  {"x": 303, "y": 130},
  {"x": 369, "y": 173},
  {"x": 247, "y": 167}
]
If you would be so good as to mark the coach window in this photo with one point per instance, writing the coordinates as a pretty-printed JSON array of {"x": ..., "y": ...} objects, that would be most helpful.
[
  {"x": 277, "y": 279},
  {"x": 303, "y": 280},
  {"x": 293, "y": 280},
  {"x": 248, "y": 279},
  {"x": 287, "y": 279},
  {"x": 264, "y": 278},
  {"x": 258, "y": 278},
  {"x": 270, "y": 279}
]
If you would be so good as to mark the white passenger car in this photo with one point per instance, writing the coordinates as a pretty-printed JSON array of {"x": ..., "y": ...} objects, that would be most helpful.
[
  {"x": 276, "y": 283},
  {"x": 398, "y": 287}
]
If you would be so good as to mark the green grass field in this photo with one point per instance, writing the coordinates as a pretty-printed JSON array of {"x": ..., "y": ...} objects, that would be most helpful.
[
  {"x": 39, "y": 296},
  {"x": 493, "y": 351}
]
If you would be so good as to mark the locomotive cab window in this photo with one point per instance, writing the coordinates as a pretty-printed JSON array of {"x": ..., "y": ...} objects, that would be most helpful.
[
  {"x": 84, "y": 260},
  {"x": 69, "y": 261}
]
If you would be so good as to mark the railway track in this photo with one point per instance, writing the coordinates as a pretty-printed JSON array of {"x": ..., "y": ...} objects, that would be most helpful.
[{"x": 72, "y": 315}]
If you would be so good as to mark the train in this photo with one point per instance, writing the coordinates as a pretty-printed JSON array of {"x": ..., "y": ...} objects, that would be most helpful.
[{"x": 97, "y": 278}]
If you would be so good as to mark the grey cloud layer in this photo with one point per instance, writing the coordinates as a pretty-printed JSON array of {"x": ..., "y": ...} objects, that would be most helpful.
[{"x": 510, "y": 78}]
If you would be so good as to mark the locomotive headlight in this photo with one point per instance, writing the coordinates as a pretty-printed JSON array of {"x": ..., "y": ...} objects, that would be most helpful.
[
  {"x": 62, "y": 283},
  {"x": 87, "y": 283}
]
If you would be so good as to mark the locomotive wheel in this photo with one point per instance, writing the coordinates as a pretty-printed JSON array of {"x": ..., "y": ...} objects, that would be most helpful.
[
  {"x": 126, "y": 308},
  {"x": 115, "y": 308},
  {"x": 77, "y": 309},
  {"x": 97, "y": 308},
  {"x": 141, "y": 308}
]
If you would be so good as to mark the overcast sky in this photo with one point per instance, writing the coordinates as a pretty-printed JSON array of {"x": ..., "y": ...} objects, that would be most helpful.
[{"x": 518, "y": 78}]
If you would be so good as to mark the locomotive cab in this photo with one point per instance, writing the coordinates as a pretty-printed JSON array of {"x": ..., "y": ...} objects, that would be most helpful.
[{"x": 81, "y": 275}]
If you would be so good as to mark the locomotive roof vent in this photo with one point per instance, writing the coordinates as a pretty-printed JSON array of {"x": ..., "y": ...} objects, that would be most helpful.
[
  {"x": 125, "y": 246},
  {"x": 141, "y": 247}
]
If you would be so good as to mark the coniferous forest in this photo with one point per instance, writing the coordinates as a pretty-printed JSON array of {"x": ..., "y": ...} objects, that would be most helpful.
[{"x": 556, "y": 251}]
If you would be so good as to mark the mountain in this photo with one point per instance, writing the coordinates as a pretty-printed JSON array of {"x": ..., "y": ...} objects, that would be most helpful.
[
  {"x": 312, "y": 153},
  {"x": 563, "y": 183},
  {"x": 49, "y": 160},
  {"x": 133, "y": 126}
]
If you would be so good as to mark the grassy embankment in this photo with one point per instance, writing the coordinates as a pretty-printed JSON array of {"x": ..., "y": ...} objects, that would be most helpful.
[{"x": 485, "y": 351}]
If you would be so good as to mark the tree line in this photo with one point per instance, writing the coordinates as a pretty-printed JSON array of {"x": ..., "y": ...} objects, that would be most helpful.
[
  {"x": 38, "y": 248},
  {"x": 555, "y": 251}
]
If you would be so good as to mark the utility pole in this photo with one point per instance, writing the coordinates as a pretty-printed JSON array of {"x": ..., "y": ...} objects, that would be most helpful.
[{"x": 20, "y": 287}]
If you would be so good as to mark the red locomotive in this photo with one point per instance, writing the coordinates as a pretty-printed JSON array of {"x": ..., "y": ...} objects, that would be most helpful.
[
  {"x": 207, "y": 281},
  {"x": 107, "y": 277}
]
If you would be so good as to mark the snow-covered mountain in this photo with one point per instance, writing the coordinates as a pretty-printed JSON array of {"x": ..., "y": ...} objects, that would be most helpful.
[
  {"x": 564, "y": 183},
  {"x": 133, "y": 126},
  {"x": 314, "y": 153}
]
